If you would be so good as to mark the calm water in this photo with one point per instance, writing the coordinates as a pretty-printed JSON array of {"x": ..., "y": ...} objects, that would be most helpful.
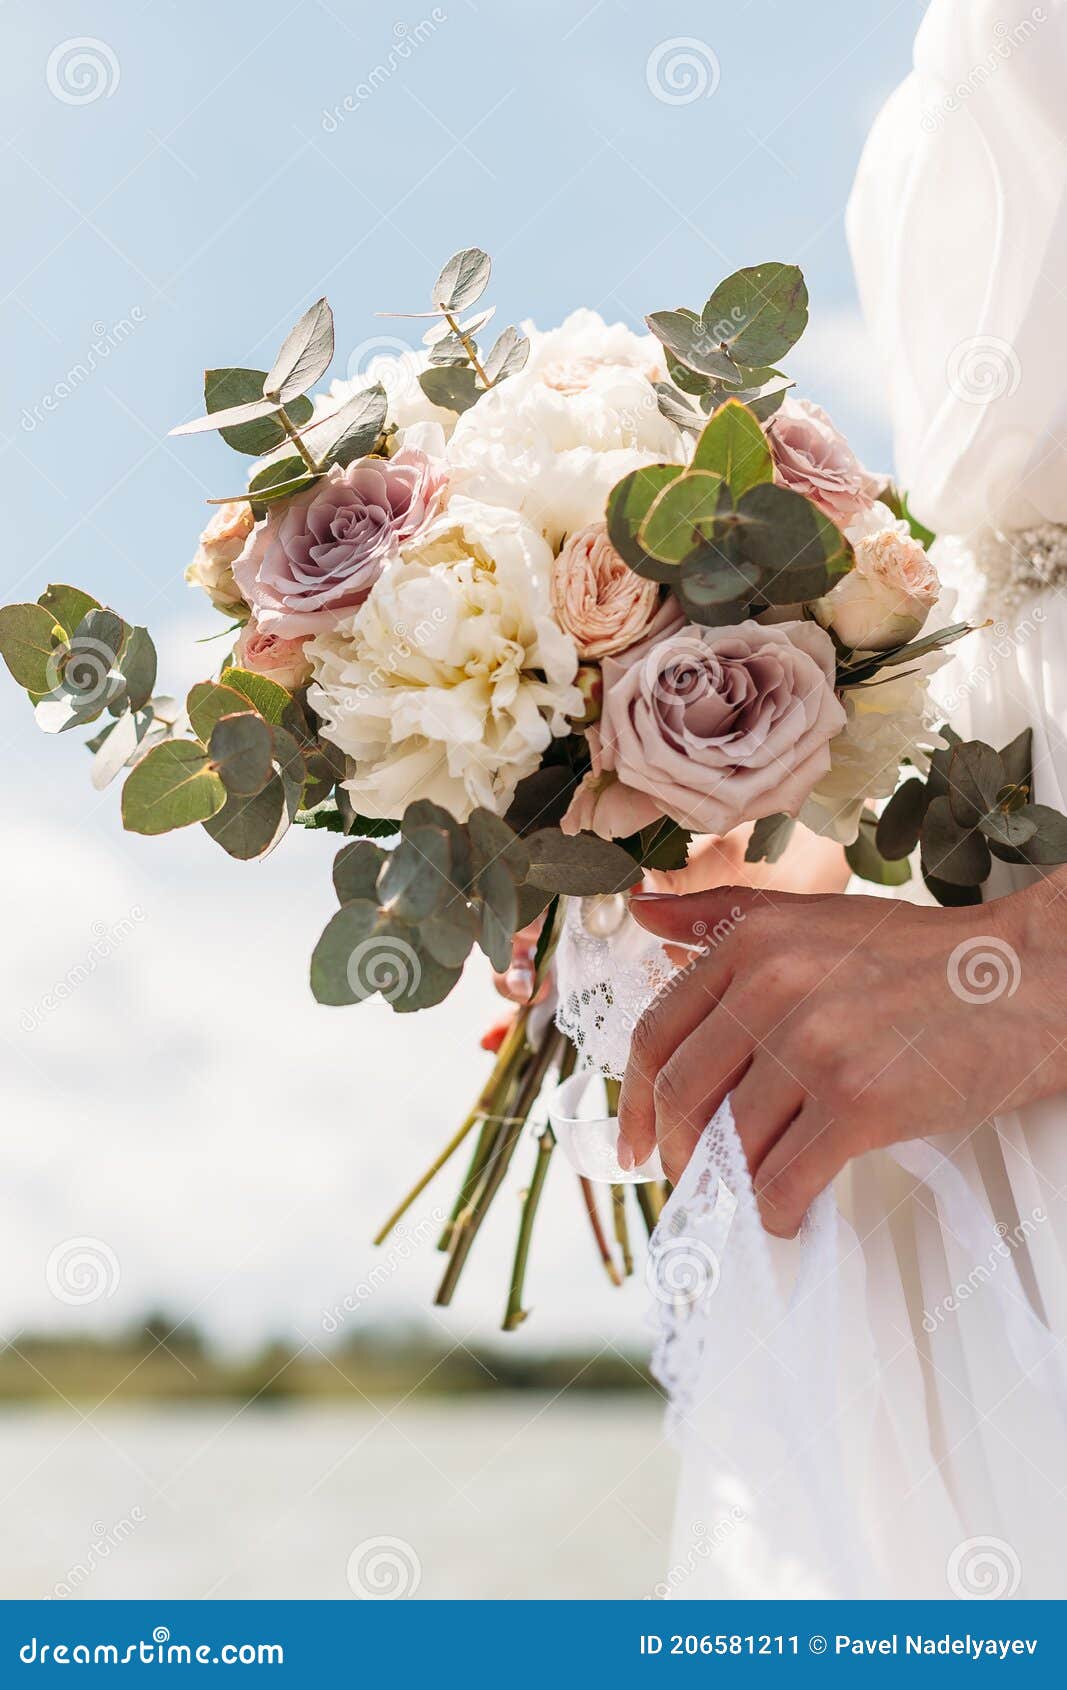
[{"x": 518, "y": 1496}]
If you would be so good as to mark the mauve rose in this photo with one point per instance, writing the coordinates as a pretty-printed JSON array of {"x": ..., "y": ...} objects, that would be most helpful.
[
  {"x": 597, "y": 598},
  {"x": 316, "y": 559},
  {"x": 272, "y": 655},
  {"x": 712, "y": 727},
  {"x": 812, "y": 458}
]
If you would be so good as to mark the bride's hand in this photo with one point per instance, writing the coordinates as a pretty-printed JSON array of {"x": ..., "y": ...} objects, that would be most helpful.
[{"x": 842, "y": 1024}]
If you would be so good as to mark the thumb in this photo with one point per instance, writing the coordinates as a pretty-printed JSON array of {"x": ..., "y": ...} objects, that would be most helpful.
[{"x": 688, "y": 918}]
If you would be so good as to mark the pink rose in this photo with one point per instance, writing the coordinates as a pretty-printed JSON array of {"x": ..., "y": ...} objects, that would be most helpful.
[
  {"x": 712, "y": 727},
  {"x": 812, "y": 458},
  {"x": 597, "y": 598},
  {"x": 316, "y": 557},
  {"x": 273, "y": 655},
  {"x": 885, "y": 599}
]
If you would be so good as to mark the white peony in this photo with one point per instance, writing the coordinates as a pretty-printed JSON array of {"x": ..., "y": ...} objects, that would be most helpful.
[
  {"x": 555, "y": 456},
  {"x": 399, "y": 374},
  {"x": 451, "y": 680},
  {"x": 885, "y": 723},
  {"x": 567, "y": 358}
]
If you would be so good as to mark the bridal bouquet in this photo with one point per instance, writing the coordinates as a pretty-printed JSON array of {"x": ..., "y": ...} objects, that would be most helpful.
[{"x": 515, "y": 621}]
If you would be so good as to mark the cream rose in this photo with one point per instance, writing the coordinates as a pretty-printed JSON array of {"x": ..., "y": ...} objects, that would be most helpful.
[
  {"x": 712, "y": 727},
  {"x": 597, "y": 598},
  {"x": 568, "y": 357},
  {"x": 555, "y": 456},
  {"x": 272, "y": 655},
  {"x": 885, "y": 599},
  {"x": 221, "y": 543},
  {"x": 451, "y": 680},
  {"x": 883, "y": 725}
]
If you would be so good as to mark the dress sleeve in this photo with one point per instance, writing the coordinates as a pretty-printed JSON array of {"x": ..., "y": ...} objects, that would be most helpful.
[{"x": 958, "y": 229}]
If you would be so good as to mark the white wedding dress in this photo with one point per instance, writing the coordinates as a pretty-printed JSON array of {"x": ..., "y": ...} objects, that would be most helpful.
[{"x": 879, "y": 1409}]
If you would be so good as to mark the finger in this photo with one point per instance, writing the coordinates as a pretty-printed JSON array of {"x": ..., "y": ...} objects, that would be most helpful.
[
  {"x": 693, "y": 1081},
  {"x": 809, "y": 1154},
  {"x": 708, "y": 917},
  {"x": 764, "y": 1104},
  {"x": 667, "y": 1022}
]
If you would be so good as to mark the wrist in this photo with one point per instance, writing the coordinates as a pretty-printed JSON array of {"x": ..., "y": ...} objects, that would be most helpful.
[{"x": 1033, "y": 925}]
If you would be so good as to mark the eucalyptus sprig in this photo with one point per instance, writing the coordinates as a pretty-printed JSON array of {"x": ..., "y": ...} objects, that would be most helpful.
[{"x": 459, "y": 372}]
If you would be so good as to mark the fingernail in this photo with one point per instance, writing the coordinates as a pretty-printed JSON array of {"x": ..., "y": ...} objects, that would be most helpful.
[
  {"x": 625, "y": 1154},
  {"x": 651, "y": 897}
]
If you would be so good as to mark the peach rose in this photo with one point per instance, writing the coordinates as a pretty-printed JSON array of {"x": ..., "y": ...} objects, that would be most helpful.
[
  {"x": 885, "y": 599},
  {"x": 272, "y": 655},
  {"x": 712, "y": 727},
  {"x": 221, "y": 544},
  {"x": 597, "y": 598}
]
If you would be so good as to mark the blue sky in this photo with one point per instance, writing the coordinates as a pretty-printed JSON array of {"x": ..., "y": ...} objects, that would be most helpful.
[{"x": 235, "y": 162}]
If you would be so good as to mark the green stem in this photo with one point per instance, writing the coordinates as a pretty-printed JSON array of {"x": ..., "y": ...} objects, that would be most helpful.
[
  {"x": 469, "y": 1224},
  {"x": 599, "y": 1239},
  {"x": 469, "y": 348},
  {"x": 514, "y": 1313},
  {"x": 291, "y": 430},
  {"x": 492, "y": 1102},
  {"x": 649, "y": 1201},
  {"x": 423, "y": 1181},
  {"x": 622, "y": 1230}
]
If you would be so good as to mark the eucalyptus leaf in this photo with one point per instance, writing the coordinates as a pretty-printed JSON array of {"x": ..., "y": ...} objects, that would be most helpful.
[
  {"x": 173, "y": 786},
  {"x": 304, "y": 356},
  {"x": 29, "y": 635},
  {"x": 208, "y": 702},
  {"x": 734, "y": 447},
  {"x": 354, "y": 430},
  {"x": 542, "y": 799},
  {"x": 462, "y": 280},
  {"x": 248, "y": 825},
  {"x": 674, "y": 407},
  {"x": 799, "y": 550},
  {"x": 1018, "y": 758},
  {"x": 452, "y": 387},
  {"x": 356, "y": 868},
  {"x": 687, "y": 337},
  {"x": 279, "y": 480},
  {"x": 416, "y": 878},
  {"x": 578, "y": 865},
  {"x": 762, "y": 392},
  {"x": 629, "y": 502},
  {"x": 242, "y": 752},
  {"x": 975, "y": 776},
  {"x": 228, "y": 389},
  {"x": 769, "y": 839},
  {"x": 493, "y": 840},
  {"x": 271, "y": 700},
  {"x": 448, "y": 937},
  {"x": 120, "y": 742},
  {"x": 865, "y": 859},
  {"x": 499, "y": 913},
  {"x": 137, "y": 666},
  {"x": 759, "y": 313},
  {"x": 507, "y": 355},
  {"x": 682, "y": 517},
  {"x": 69, "y": 605},
  {"x": 951, "y": 853},
  {"x": 900, "y": 823},
  {"x": 1010, "y": 828},
  {"x": 1048, "y": 846}
]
